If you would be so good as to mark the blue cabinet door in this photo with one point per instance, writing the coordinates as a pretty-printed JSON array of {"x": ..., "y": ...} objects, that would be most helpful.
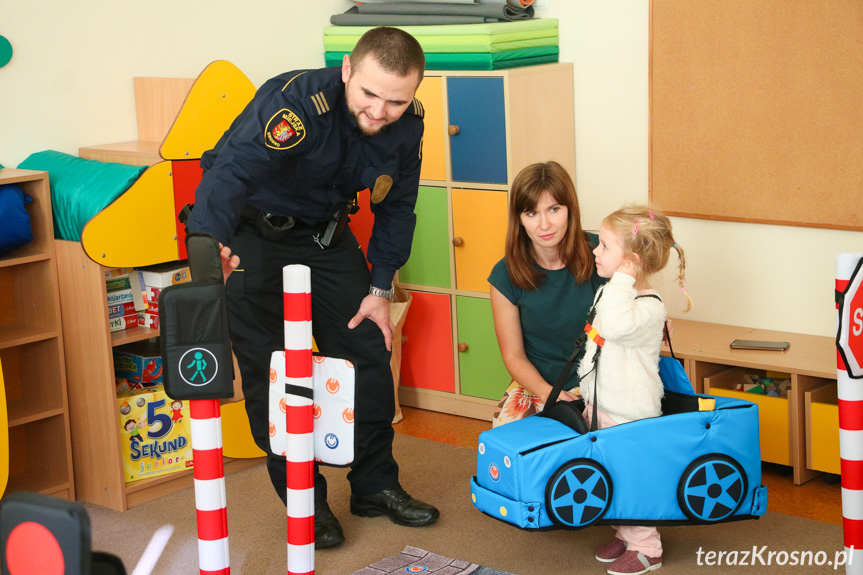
[{"x": 478, "y": 151}]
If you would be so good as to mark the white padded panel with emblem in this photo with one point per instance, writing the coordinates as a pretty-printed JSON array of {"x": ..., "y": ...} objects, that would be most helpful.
[{"x": 333, "y": 409}]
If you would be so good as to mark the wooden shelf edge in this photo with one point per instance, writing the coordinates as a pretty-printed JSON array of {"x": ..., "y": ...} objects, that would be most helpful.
[
  {"x": 28, "y": 335},
  {"x": 48, "y": 413},
  {"x": 131, "y": 335},
  {"x": 14, "y": 260},
  {"x": 465, "y": 406}
]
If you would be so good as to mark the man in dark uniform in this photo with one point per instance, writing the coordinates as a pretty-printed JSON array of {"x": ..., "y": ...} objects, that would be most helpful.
[{"x": 274, "y": 192}]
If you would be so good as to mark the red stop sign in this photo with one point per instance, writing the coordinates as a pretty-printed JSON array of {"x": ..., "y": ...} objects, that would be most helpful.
[{"x": 850, "y": 337}]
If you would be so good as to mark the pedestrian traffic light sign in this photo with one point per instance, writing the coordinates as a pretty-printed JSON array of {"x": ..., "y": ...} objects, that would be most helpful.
[
  {"x": 198, "y": 366},
  {"x": 196, "y": 343}
]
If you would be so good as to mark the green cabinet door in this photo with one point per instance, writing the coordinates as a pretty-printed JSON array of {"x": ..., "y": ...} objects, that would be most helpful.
[
  {"x": 429, "y": 261},
  {"x": 481, "y": 368}
]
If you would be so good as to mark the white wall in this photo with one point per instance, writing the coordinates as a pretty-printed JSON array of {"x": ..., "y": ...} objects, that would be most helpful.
[
  {"x": 69, "y": 84},
  {"x": 770, "y": 277}
]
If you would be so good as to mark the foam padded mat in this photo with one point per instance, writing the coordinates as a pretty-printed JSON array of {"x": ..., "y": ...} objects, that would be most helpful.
[{"x": 477, "y": 61}]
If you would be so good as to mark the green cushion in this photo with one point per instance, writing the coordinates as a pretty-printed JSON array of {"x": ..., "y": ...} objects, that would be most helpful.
[
  {"x": 477, "y": 61},
  {"x": 81, "y": 188},
  {"x": 458, "y": 38}
]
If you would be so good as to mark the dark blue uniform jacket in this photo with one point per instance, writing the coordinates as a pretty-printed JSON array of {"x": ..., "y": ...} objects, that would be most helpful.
[{"x": 296, "y": 151}]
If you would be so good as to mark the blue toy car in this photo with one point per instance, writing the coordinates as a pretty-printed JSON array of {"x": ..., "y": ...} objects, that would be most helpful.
[{"x": 700, "y": 462}]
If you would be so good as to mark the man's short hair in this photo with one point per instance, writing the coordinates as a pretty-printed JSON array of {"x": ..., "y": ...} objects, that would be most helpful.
[{"x": 394, "y": 50}]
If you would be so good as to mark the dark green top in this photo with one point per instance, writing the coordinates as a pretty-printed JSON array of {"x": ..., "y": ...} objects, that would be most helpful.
[{"x": 552, "y": 316}]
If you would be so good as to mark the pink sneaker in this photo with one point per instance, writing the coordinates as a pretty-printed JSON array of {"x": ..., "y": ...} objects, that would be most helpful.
[
  {"x": 611, "y": 550},
  {"x": 634, "y": 563}
]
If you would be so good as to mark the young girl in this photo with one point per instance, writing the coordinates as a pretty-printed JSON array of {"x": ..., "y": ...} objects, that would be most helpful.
[{"x": 634, "y": 244}]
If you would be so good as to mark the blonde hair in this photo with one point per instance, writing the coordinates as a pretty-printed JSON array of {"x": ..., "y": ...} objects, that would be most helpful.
[{"x": 645, "y": 231}]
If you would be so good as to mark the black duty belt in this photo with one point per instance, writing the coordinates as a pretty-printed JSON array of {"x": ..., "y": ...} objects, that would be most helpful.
[
  {"x": 270, "y": 226},
  {"x": 275, "y": 228}
]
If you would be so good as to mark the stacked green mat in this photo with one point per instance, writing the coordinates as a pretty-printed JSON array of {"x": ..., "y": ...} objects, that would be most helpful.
[{"x": 492, "y": 46}]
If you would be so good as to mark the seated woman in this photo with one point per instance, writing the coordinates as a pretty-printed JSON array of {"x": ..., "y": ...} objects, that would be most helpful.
[{"x": 542, "y": 289}]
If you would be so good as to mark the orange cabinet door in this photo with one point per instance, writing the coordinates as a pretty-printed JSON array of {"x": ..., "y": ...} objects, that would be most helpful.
[
  {"x": 479, "y": 235},
  {"x": 427, "y": 360},
  {"x": 430, "y": 93}
]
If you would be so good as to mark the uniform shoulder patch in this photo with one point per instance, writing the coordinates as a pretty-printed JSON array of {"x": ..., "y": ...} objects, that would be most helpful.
[
  {"x": 416, "y": 108},
  {"x": 320, "y": 102},
  {"x": 284, "y": 130}
]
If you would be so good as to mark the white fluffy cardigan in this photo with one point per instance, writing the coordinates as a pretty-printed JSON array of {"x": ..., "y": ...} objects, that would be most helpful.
[{"x": 629, "y": 386}]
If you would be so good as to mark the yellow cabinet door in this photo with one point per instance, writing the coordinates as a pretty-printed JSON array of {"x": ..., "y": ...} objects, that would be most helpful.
[
  {"x": 430, "y": 93},
  {"x": 479, "y": 235}
]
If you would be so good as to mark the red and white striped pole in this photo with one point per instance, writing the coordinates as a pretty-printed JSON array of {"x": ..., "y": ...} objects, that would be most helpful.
[
  {"x": 300, "y": 448},
  {"x": 209, "y": 473},
  {"x": 850, "y": 393}
]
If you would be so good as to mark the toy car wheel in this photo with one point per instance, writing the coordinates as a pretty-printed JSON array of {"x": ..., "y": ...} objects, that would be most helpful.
[
  {"x": 578, "y": 493},
  {"x": 711, "y": 488}
]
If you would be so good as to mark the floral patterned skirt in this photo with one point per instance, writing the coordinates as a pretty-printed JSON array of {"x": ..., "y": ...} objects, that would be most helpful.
[{"x": 517, "y": 403}]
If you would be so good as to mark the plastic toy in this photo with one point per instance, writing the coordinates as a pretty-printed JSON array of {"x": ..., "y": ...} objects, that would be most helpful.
[{"x": 686, "y": 466}]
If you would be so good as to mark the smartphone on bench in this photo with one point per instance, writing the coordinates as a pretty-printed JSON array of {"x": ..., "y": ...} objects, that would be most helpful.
[{"x": 760, "y": 345}]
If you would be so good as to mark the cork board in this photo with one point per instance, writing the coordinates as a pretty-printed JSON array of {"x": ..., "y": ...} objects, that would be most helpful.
[{"x": 756, "y": 110}]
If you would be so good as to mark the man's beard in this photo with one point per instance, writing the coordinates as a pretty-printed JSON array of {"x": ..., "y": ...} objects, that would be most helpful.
[{"x": 365, "y": 128}]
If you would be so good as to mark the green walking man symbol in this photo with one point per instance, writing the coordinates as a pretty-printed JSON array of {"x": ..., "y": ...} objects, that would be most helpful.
[
  {"x": 200, "y": 364},
  {"x": 201, "y": 370}
]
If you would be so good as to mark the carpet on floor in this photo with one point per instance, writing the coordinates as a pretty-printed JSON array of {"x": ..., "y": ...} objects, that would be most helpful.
[{"x": 440, "y": 474}]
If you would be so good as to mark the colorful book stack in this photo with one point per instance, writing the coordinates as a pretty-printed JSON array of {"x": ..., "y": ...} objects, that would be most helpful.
[
  {"x": 465, "y": 46},
  {"x": 124, "y": 298},
  {"x": 155, "y": 279}
]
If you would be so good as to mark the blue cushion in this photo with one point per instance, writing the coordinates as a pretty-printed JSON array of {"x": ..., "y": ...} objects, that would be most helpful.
[{"x": 15, "y": 231}]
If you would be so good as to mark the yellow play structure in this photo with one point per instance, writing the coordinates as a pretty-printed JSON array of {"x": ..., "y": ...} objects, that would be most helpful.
[
  {"x": 4, "y": 437},
  {"x": 216, "y": 97}
]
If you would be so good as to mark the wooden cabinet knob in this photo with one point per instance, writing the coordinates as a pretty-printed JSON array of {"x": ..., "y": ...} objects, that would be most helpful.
[
  {"x": 462, "y": 347},
  {"x": 452, "y": 130},
  {"x": 458, "y": 242}
]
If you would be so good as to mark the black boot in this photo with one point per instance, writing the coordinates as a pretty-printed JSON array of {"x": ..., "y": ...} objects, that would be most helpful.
[
  {"x": 396, "y": 504},
  {"x": 328, "y": 531}
]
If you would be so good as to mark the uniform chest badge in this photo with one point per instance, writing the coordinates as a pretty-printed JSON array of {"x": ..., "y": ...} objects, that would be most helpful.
[
  {"x": 284, "y": 130},
  {"x": 382, "y": 188}
]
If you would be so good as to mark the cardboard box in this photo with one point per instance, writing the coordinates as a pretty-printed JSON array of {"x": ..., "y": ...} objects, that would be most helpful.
[
  {"x": 139, "y": 362},
  {"x": 124, "y": 322},
  {"x": 120, "y": 297},
  {"x": 164, "y": 275},
  {"x": 151, "y": 295},
  {"x": 156, "y": 433},
  {"x": 126, "y": 278},
  {"x": 121, "y": 309},
  {"x": 147, "y": 319}
]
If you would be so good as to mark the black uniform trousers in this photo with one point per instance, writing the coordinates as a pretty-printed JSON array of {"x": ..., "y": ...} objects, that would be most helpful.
[{"x": 340, "y": 280}]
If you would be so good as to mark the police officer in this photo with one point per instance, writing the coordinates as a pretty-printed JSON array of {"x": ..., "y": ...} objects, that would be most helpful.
[{"x": 276, "y": 190}]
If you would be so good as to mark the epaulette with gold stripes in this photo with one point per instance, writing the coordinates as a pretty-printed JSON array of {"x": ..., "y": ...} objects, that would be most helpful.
[
  {"x": 417, "y": 109},
  {"x": 320, "y": 102}
]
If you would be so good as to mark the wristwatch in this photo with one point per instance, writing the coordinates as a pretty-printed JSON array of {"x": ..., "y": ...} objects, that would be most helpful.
[{"x": 385, "y": 293}]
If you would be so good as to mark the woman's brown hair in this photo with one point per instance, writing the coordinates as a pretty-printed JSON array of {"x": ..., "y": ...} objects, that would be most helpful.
[{"x": 526, "y": 190}]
